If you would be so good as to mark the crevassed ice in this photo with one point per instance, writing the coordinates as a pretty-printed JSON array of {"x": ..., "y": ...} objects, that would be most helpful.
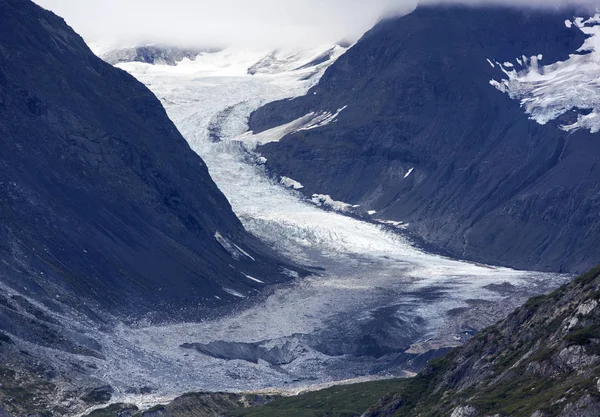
[{"x": 549, "y": 91}]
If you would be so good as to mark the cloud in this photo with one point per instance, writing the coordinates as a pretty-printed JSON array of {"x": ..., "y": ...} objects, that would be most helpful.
[{"x": 217, "y": 23}]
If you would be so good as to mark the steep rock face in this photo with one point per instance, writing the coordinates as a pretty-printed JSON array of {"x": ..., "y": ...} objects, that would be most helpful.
[
  {"x": 422, "y": 137},
  {"x": 101, "y": 198}
]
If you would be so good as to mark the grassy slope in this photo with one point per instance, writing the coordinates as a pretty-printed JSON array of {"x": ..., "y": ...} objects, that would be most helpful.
[{"x": 339, "y": 401}]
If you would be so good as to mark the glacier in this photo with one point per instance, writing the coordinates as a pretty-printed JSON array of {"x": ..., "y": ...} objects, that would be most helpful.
[{"x": 372, "y": 299}]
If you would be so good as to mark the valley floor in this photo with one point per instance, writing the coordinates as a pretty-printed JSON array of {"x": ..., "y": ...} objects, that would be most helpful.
[{"x": 375, "y": 297}]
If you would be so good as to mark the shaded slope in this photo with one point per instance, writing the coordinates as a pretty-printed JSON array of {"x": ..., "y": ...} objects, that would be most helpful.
[
  {"x": 101, "y": 198},
  {"x": 425, "y": 139}
]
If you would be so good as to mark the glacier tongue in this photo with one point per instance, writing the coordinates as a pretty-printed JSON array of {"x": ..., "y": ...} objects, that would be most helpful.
[{"x": 547, "y": 92}]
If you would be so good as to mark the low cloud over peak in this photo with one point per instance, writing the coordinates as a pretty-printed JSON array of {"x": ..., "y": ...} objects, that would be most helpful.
[{"x": 264, "y": 23}]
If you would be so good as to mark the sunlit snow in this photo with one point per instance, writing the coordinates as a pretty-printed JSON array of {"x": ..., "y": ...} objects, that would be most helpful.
[
  {"x": 290, "y": 183},
  {"x": 547, "y": 92}
]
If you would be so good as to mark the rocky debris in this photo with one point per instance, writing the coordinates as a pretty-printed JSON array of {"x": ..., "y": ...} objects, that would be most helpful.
[
  {"x": 528, "y": 365},
  {"x": 250, "y": 352},
  {"x": 464, "y": 411},
  {"x": 190, "y": 405}
]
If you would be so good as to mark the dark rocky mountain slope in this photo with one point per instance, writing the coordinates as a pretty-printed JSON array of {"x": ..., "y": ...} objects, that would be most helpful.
[
  {"x": 102, "y": 200},
  {"x": 425, "y": 139},
  {"x": 543, "y": 360}
]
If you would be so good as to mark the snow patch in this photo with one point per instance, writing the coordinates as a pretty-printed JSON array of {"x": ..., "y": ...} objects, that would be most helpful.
[
  {"x": 322, "y": 119},
  {"x": 397, "y": 224},
  {"x": 326, "y": 200},
  {"x": 290, "y": 183},
  {"x": 289, "y": 272},
  {"x": 547, "y": 92},
  {"x": 254, "y": 279},
  {"x": 234, "y": 250},
  {"x": 233, "y": 292},
  {"x": 309, "y": 121},
  {"x": 246, "y": 254},
  {"x": 251, "y": 139}
]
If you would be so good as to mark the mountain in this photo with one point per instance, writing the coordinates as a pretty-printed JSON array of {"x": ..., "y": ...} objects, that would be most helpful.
[
  {"x": 103, "y": 202},
  {"x": 108, "y": 217},
  {"x": 424, "y": 124},
  {"x": 152, "y": 54},
  {"x": 541, "y": 361}
]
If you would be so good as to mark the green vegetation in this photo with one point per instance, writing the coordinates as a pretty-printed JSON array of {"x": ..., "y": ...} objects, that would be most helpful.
[
  {"x": 339, "y": 401},
  {"x": 113, "y": 410},
  {"x": 584, "y": 336},
  {"x": 589, "y": 277},
  {"x": 24, "y": 395}
]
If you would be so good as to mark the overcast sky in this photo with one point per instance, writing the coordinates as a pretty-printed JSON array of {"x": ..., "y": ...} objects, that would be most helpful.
[{"x": 217, "y": 23}]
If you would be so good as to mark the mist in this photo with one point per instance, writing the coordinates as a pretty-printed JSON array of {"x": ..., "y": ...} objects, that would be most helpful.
[{"x": 258, "y": 23}]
